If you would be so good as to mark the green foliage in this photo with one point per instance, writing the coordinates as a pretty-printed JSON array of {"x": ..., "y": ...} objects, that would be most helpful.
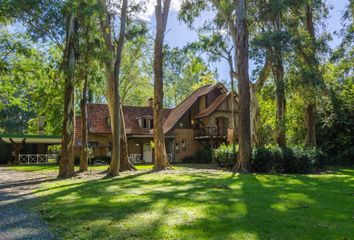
[
  {"x": 30, "y": 83},
  {"x": 224, "y": 155},
  {"x": 336, "y": 116},
  {"x": 184, "y": 72},
  {"x": 202, "y": 156},
  {"x": 286, "y": 160}
]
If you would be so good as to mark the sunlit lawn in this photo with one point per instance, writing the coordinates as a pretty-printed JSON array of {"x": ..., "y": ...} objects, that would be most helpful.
[{"x": 201, "y": 205}]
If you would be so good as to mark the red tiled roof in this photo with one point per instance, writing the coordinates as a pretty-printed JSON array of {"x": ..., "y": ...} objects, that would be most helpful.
[
  {"x": 131, "y": 115},
  {"x": 209, "y": 110},
  {"x": 98, "y": 114},
  {"x": 178, "y": 112}
]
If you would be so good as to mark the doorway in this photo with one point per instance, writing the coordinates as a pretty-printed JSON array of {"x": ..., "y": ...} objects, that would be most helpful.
[{"x": 147, "y": 154}]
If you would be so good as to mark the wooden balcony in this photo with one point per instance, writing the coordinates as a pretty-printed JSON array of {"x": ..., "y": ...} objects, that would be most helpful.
[{"x": 210, "y": 132}]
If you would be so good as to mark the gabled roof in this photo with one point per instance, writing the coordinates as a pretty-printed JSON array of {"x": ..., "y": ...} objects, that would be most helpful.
[
  {"x": 98, "y": 119},
  {"x": 209, "y": 110},
  {"x": 178, "y": 112}
]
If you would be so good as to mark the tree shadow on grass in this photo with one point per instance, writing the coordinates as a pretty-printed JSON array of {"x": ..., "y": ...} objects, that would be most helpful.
[{"x": 185, "y": 206}]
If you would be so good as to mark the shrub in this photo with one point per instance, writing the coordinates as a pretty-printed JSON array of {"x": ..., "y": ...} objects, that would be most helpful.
[
  {"x": 262, "y": 159},
  {"x": 202, "y": 156},
  {"x": 286, "y": 160},
  {"x": 224, "y": 156}
]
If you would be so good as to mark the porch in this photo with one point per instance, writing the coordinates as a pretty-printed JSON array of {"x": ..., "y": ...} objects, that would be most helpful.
[{"x": 210, "y": 132}]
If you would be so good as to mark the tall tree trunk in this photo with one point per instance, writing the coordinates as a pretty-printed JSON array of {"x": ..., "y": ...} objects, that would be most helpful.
[
  {"x": 278, "y": 74},
  {"x": 254, "y": 115},
  {"x": 310, "y": 104},
  {"x": 310, "y": 115},
  {"x": 16, "y": 149},
  {"x": 233, "y": 117},
  {"x": 112, "y": 82},
  {"x": 161, "y": 13},
  {"x": 66, "y": 166},
  {"x": 84, "y": 127},
  {"x": 125, "y": 164},
  {"x": 244, "y": 155}
]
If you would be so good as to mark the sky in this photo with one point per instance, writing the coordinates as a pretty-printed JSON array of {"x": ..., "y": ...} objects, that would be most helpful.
[{"x": 179, "y": 35}]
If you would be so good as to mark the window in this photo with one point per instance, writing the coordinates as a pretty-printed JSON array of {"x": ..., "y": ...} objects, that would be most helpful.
[
  {"x": 177, "y": 147},
  {"x": 184, "y": 145},
  {"x": 146, "y": 123}
]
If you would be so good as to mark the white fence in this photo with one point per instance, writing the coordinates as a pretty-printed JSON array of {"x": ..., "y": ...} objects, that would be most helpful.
[
  {"x": 137, "y": 158},
  {"x": 36, "y": 158}
]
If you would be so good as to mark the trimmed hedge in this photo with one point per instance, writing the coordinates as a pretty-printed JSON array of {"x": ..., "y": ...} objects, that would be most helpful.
[
  {"x": 274, "y": 159},
  {"x": 286, "y": 160}
]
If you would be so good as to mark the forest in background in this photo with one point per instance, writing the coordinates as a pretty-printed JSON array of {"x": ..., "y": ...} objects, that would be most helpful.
[{"x": 304, "y": 83}]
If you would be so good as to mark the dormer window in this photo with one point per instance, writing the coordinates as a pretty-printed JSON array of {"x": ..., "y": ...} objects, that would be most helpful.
[{"x": 146, "y": 122}]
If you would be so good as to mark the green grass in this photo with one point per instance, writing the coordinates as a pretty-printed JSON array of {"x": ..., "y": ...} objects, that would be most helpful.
[{"x": 201, "y": 205}]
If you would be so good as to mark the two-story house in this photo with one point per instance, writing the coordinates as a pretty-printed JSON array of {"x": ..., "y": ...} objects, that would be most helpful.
[{"x": 202, "y": 120}]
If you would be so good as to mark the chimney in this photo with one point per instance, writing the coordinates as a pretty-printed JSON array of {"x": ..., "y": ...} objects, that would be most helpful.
[
  {"x": 150, "y": 102},
  {"x": 41, "y": 125}
]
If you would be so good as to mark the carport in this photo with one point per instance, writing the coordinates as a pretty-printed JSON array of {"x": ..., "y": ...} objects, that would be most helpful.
[{"x": 26, "y": 148}]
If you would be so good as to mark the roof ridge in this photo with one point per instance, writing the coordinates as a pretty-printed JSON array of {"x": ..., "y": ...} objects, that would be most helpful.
[
  {"x": 195, "y": 95},
  {"x": 190, "y": 95}
]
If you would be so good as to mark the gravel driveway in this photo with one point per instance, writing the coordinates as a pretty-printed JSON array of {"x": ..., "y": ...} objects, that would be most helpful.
[{"x": 17, "y": 221}]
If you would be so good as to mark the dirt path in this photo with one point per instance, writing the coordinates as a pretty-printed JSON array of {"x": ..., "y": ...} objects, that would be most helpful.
[{"x": 17, "y": 221}]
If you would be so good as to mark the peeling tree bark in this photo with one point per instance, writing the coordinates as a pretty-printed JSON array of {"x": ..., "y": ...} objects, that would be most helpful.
[
  {"x": 161, "y": 13},
  {"x": 119, "y": 145},
  {"x": 241, "y": 43},
  {"x": 66, "y": 166},
  {"x": 84, "y": 127},
  {"x": 125, "y": 164},
  {"x": 233, "y": 117}
]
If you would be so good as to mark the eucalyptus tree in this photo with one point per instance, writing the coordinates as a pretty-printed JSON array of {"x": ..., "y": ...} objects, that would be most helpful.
[
  {"x": 66, "y": 164},
  {"x": 161, "y": 14},
  {"x": 112, "y": 61},
  {"x": 272, "y": 38},
  {"x": 309, "y": 46},
  {"x": 89, "y": 45}
]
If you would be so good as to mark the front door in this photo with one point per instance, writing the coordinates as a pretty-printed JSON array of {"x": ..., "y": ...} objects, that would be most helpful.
[{"x": 147, "y": 153}]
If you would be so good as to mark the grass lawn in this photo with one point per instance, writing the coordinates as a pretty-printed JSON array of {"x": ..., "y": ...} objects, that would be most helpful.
[{"x": 205, "y": 204}]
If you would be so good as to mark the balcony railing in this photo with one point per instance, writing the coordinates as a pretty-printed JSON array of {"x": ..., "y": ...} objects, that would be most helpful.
[{"x": 208, "y": 132}]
